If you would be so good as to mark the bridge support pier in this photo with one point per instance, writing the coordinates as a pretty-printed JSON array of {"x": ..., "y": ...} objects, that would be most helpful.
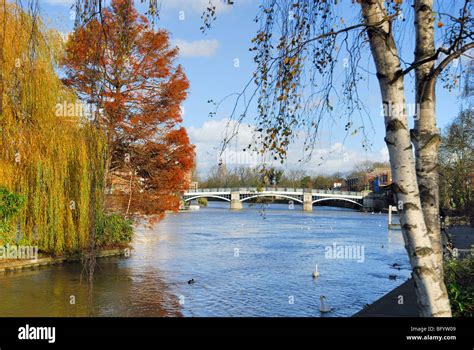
[
  {"x": 235, "y": 203},
  {"x": 307, "y": 202}
]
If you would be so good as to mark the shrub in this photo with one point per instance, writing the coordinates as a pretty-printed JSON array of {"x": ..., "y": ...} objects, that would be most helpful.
[
  {"x": 113, "y": 229},
  {"x": 10, "y": 205},
  {"x": 202, "y": 202},
  {"x": 459, "y": 279}
]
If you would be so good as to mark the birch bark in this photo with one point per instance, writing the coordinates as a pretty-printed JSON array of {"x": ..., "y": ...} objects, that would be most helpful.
[
  {"x": 425, "y": 136},
  {"x": 430, "y": 289}
]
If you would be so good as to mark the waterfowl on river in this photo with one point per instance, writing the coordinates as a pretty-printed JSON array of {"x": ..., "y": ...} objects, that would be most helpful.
[
  {"x": 322, "y": 307},
  {"x": 395, "y": 266},
  {"x": 191, "y": 281},
  {"x": 316, "y": 272}
]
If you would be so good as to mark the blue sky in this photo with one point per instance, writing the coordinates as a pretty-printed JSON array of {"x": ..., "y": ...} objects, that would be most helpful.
[{"x": 218, "y": 64}]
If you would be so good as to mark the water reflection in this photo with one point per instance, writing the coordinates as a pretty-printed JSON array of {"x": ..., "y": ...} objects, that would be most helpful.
[{"x": 58, "y": 291}]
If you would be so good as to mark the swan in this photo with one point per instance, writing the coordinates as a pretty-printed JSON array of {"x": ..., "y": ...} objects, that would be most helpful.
[
  {"x": 316, "y": 272},
  {"x": 323, "y": 308}
]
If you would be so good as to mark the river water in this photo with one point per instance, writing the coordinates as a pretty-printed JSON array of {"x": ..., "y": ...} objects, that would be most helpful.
[{"x": 254, "y": 262}]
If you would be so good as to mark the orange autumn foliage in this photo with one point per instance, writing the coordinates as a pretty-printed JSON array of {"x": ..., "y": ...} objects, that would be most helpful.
[{"x": 127, "y": 71}]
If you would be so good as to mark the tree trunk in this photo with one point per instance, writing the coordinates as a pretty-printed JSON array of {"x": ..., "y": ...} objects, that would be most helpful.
[
  {"x": 430, "y": 289},
  {"x": 425, "y": 135}
]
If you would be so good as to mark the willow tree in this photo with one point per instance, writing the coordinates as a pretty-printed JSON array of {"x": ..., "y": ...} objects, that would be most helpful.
[
  {"x": 45, "y": 156},
  {"x": 299, "y": 48}
]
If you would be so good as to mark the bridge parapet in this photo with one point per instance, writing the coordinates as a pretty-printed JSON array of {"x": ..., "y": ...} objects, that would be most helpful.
[{"x": 278, "y": 189}]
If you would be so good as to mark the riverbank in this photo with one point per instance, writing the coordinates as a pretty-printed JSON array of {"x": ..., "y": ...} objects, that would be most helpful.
[
  {"x": 14, "y": 265},
  {"x": 401, "y": 301}
]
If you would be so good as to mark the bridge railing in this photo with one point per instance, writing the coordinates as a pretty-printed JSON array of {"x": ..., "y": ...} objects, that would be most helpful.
[
  {"x": 342, "y": 193},
  {"x": 222, "y": 189},
  {"x": 276, "y": 189}
]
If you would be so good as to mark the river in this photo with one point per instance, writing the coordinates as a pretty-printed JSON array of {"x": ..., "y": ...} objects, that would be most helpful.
[{"x": 254, "y": 262}]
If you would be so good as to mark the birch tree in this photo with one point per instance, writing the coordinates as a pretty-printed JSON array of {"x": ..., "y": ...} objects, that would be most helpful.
[{"x": 431, "y": 291}]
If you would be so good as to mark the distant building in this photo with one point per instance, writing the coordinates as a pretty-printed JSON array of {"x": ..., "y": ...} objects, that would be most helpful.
[
  {"x": 194, "y": 185},
  {"x": 120, "y": 182},
  {"x": 188, "y": 178},
  {"x": 376, "y": 180},
  {"x": 379, "y": 178}
]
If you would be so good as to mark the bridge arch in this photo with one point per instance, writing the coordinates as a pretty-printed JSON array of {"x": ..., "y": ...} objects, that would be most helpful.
[
  {"x": 206, "y": 196},
  {"x": 337, "y": 199},
  {"x": 272, "y": 195}
]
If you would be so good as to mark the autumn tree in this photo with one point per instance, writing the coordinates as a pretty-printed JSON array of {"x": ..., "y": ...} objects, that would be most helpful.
[
  {"x": 51, "y": 160},
  {"x": 127, "y": 72}
]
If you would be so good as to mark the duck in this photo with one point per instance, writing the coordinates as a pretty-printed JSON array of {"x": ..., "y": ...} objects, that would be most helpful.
[
  {"x": 191, "y": 281},
  {"x": 395, "y": 266},
  {"x": 316, "y": 272},
  {"x": 392, "y": 277},
  {"x": 323, "y": 308}
]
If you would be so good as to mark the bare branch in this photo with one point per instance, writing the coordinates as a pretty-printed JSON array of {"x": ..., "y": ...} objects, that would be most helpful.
[{"x": 447, "y": 60}]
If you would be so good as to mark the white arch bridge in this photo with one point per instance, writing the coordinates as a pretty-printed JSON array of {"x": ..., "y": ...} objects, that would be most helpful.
[{"x": 307, "y": 197}]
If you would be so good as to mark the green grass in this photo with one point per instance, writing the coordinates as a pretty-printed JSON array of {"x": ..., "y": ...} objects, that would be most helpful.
[{"x": 459, "y": 279}]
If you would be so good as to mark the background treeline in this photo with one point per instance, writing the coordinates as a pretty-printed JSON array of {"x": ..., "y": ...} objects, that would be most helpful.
[
  {"x": 243, "y": 176},
  {"x": 457, "y": 165}
]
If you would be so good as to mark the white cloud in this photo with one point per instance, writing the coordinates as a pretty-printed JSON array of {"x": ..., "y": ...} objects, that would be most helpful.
[
  {"x": 60, "y": 2},
  {"x": 327, "y": 158},
  {"x": 197, "y": 48},
  {"x": 208, "y": 140}
]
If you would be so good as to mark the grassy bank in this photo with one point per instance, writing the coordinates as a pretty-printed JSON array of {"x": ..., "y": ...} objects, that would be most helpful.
[{"x": 459, "y": 279}]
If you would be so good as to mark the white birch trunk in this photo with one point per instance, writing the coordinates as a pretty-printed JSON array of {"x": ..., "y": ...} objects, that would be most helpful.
[
  {"x": 426, "y": 136},
  {"x": 430, "y": 289}
]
